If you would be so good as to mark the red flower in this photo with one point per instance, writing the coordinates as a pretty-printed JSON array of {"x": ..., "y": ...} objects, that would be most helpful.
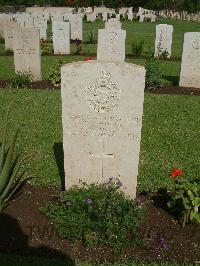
[
  {"x": 176, "y": 172},
  {"x": 88, "y": 58}
]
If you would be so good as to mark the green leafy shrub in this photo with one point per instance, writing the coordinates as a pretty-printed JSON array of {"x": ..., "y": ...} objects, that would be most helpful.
[
  {"x": 164, "y": 55},
  {"x": 2, "y": 40},
  {"x": 153, "y": 79},
  {"x": 137, "y": 48},
  {"x": 55, "y": 74},
  {"x": 186, "y": 200},
  {"x": 96, "y": 214},
  {"x": 10, "y": 177},
  {"x": 45, "y": 48},
  {"x": 21, "y": 80},
  {"x": 78, "y": 44},
  {"x": 91, "y": 39}
]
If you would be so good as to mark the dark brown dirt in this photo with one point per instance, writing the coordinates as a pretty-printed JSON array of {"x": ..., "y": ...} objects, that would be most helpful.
[
  {"x": 176, "y": 90},
  {"x": 24, "y": 230}
]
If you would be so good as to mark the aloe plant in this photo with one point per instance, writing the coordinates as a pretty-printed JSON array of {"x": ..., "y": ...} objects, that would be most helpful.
[{"x": 10, "y": 178}]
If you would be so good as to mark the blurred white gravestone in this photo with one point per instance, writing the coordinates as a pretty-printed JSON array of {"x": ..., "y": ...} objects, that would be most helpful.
[
  {"x": 9, "y": 34},
  {"x": 102, "y": 120},
  {"x": 163, "y": 42},
  {"x": 27, "y": 57},
  {"x": 41, "y": 24},
  {"x": 190, "y": 66},
  {"x": 61, "y": 37},
  {"x": 113, "y": 23},
  {"x": 111, "y": 45},
  {"x": 76, "y": 24}
]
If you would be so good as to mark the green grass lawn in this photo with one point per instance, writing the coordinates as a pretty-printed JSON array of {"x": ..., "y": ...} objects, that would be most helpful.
[
  {"x": 135, "y": 32},
  {"x": 170, "y": 135}
]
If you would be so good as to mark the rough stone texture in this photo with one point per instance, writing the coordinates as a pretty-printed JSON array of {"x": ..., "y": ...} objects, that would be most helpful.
[
  {"x": 9, "y": 34},
  {"x": 130, "y": 16},
  {"x": 27, "y": 56},
  {"x": 102, "y": 120},
  {"x": 141, "y": 19},
  {"x": 91, "y": 17},
  {"x": 105, "y": 16},
  {"x": 61, "y": 37},
  {"x": 41, "y": 24},
  {"x": 113, "y": 23},
  {"x": 190, "y": 66},
  {"x": 76, "y": 24},
  {"x": 118, "y": 17},
  {"x": 163, "y": 40},
  {"x": 111, "y": 45}
]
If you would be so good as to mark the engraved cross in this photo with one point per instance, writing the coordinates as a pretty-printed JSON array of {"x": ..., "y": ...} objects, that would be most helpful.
[{"x": 102, "y": 155}]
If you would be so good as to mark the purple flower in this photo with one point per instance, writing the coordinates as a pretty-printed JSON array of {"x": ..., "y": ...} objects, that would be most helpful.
[
  {"x": 138, "y": 200},
  {"x": 162, "y": 244},
  {"x": 89, "y": 201},
  {"x": 119, "y": 184},
  {"x": 68, "y": 203}
]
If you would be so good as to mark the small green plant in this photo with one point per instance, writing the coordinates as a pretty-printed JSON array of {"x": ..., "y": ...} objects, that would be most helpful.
[
  {"x": 55, "y": 74},
  {"x": 164, "y": 55},
  {"x": 97, "y": 215},
  {"x": 137, "y": 48},
  {"x": 8, "y": 52},
  {"x": 45, "y": 48},
  {"x": 21, "y": 80},
  {"x": 10, "y": 177},
  {"x": 91, "y": 39},
  {"x": 78, "y": 44},
  {"x": 153, "y": 79},
  {"x": 2, "y": 40},
  {"x": 186, "y": 200}
]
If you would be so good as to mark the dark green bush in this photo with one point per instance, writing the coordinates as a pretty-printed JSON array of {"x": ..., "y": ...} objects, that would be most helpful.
[
  {"x": 21, "y": 80},
  {"x": 153, "y": 79},
  {"x": 97, "y": 215},
  {"x": 2, "y": 40},
  {"x": 137, "y": 48},
  {"x": 46, "y": 48},
  {"x": 8, "y": 52}
]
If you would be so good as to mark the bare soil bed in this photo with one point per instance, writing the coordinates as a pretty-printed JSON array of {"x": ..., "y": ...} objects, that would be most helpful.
[
  {"x": 44, "y": 84},
  {"x": 25, "y": 231}
]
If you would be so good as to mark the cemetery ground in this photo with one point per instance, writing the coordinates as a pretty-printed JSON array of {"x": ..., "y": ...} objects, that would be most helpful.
[{"x": 170, "y": 139}]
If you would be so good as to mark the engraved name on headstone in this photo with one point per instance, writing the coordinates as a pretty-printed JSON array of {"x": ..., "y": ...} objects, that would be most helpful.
[{"x": 27, "y": 56}]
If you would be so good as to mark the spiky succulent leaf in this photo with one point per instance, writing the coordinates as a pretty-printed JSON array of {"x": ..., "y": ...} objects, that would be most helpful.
[
  {"x": 3, "y": 145},
  {"x": 5, "y": 174}
]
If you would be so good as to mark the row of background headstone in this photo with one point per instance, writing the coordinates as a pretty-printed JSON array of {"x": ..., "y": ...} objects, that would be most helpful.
[{"x": 61, "y": 42}]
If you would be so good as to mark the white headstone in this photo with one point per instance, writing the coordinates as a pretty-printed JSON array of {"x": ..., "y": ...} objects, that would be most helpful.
[
  {"x": 27, "y": 56},
  {"x": 113, "y": 23},
  {"x": 9, "y": 34},
  {"x": 91, "y": 17},
  {"x": 163, "y": 42},
  {"x": 111, "y": 45},
  {"x": 130, "y": 16},
  {"x": 76, "y": 24},
  {"x": 105, "y": 16},
  {"x": 41, "y": 24},
  {"x": 61, "y": 37},
  {"x": 141, "y": 19},
  {"x": 102, "y": 120},
  {"x": 118, "y": 17},
  {"x": 190, "y": 66}
]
